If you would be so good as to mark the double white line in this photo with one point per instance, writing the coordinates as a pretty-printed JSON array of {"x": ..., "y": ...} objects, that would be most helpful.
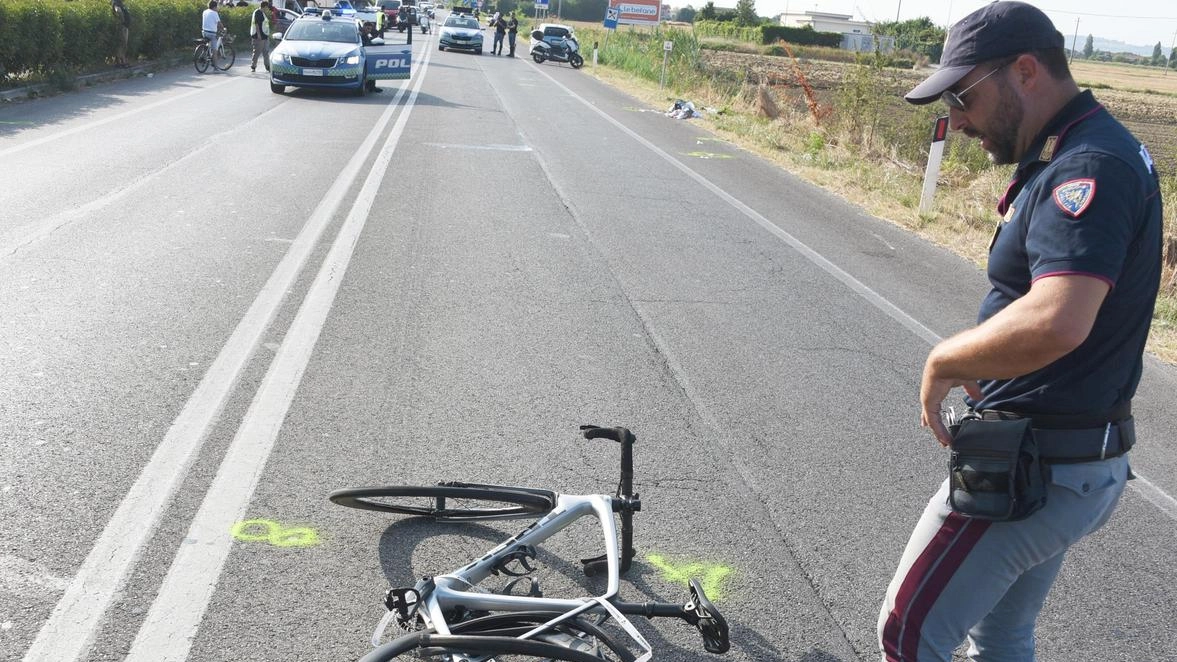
[{"x": 175, "y": 616}]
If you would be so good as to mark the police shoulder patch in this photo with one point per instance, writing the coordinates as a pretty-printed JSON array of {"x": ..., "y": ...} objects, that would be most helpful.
[{"x": 1075, "y": 196}]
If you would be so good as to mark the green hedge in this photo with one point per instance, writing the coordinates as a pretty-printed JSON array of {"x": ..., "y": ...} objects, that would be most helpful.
[
  {"x": 47, "y": 36},
  {"x": 767, "y": 34}
]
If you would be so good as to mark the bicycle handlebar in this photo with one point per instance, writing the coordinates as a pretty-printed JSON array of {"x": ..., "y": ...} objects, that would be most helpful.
[{"x": 620, "y": 435}]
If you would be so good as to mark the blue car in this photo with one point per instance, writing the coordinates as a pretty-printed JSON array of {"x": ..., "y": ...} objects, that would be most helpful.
[{"x": 321, "y": 51}]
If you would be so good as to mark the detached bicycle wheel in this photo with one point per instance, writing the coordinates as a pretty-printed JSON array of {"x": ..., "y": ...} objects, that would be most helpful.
[
  {"x": 459, "y": 502},
  {"x": 503, "y": 649}
]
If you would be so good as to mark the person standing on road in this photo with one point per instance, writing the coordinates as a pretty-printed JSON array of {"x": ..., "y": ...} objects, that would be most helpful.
[
  {"x": 500, "y": 27},
  {"x": 259, "y": 35},
  {"x": 211, "y": 28},
  {"x": 512, "y": 29},
  {"x": 380, "y": 22},
  {"x": 123, "y": 21},
  {"x": 1055, "y": 359}
]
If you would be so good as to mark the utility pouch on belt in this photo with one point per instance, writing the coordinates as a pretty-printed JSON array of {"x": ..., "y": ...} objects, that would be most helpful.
[{"x": 994, "y": 470}]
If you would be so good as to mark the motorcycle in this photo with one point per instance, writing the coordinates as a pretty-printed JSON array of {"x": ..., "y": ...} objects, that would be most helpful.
[{"x": 565, "y": 50}]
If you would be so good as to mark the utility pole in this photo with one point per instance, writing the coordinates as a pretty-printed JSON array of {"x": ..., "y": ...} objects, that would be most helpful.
[
  {"x": 1074, "y": 41},
  {"x": 897, "y": 10}
]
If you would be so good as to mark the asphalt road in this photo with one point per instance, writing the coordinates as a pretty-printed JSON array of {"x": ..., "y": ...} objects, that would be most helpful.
[{"x": 219, "y": 304}]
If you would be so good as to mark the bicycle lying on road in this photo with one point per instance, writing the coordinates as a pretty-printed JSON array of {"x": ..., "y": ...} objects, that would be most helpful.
[
  {"x": 452, "y": 619},
  {"x": 222, "y": 59}
]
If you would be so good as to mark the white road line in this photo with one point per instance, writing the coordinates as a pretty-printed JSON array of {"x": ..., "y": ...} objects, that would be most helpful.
[
  {"x": 1155, "y": 495},
  {"x": 57, "y": 135},
  {"x": 34, "y": 232},
  {"x": 496, "y": 148},
  {"x": 71, "y": 628},
  {"x": 167, "y": 633}
]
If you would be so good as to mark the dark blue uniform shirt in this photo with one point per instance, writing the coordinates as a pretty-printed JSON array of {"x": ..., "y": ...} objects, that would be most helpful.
[{"x": 1084, "y": 200}]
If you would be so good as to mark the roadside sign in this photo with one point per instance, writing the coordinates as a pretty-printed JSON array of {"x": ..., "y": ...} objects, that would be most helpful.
[
  {"x": 637, "y": 12},
  {"x": 668, "y": 46},
  {"x": 541, "y": 4},
  {"x": 611, "y": 16}
]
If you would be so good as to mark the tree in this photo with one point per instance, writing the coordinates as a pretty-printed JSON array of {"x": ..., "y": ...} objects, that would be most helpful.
[
  {"x": 1158, "y": 57},
  {"x": 707, "y": 13},
  {"x": 1088, "y": 47},
  {"x": 919, "y": 35},
  {"x": 686, "y": 14},
  {"x": 1173, "y": 59},
  {"x": 746, "y": 13}
]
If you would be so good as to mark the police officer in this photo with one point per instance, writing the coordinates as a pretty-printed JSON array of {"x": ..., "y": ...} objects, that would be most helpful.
[
  {"x": 259, "y": 35},
  {"x": 1074, "y": 266}
]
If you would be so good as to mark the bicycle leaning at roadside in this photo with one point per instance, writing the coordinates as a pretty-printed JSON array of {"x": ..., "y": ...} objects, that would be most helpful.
[{"x": 1039, "y": 460}]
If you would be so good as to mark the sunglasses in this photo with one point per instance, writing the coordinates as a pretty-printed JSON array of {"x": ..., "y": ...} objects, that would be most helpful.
[{"x": 955, "y": 100}]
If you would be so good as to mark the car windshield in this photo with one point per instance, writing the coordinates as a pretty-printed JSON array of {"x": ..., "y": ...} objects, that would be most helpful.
[
  {"x": 461, "y": 22},
  {"x": 320, "y": 30}
]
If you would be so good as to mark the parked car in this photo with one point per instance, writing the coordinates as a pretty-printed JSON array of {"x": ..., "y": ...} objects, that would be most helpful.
[
  {"x": 460, "y": 32},
  {"x": 322, "y": 51},
  {"x": 390, "y": 8}
]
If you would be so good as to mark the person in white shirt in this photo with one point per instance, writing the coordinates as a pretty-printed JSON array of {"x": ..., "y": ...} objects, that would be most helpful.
[{"x": 212, "y": 27}]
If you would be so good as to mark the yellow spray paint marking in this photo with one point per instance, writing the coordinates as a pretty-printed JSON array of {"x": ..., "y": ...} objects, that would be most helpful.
[
  {"x": 709, "y": 155},
  {"x": 709, "y": 575},
  {"x": 264, "y": 530}
]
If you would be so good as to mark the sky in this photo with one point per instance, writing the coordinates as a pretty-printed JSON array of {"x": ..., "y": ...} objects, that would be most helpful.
[{"x": 1142, "y": 22}]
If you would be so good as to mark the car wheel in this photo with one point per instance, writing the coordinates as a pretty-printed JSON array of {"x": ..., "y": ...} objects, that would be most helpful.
[
  {"x": 362, "y": 89},
  {"x": 479, "y": 51},
  {"x": 441, "y": 48},
  {"x": 277, "y": 89}
]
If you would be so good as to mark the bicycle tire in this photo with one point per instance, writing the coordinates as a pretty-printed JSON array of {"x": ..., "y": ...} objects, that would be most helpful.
[
  {"x": 474, "y": 502},
  {"x": 200, "y": 59},
  {"x": 429, "y": 644},
  {"x": 230, "y": 56}
]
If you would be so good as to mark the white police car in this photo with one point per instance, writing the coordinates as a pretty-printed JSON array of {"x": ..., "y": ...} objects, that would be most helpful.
[
  {"x": 460, "y": 32},
  {"x": 322, "y": 51}
]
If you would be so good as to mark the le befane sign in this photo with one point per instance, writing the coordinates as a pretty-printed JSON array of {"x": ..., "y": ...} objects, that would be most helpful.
[{"x": 638, "y": 12}]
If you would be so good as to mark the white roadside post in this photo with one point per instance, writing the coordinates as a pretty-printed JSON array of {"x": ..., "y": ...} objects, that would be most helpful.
[
  {"x": 935, "y": 156},
  {"x": 667, "y": 46}
]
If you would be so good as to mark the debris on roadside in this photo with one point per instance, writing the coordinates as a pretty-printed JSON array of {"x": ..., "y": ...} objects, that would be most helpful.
[{"x": 682, "y": 110}]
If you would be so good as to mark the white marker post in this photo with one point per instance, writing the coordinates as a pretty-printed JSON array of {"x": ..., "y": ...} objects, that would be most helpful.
[
  {"x": 935, "y": 156},
  {"x": 667, "y": 46}
]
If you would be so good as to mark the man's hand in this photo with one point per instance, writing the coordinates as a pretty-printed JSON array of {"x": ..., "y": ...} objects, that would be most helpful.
[{"x": 933, "y": 390}]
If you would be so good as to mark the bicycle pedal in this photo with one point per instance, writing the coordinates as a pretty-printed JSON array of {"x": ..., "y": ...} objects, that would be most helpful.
[{"x": 706, "y": 618}]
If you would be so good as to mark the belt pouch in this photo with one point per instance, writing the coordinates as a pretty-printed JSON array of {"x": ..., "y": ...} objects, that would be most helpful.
[{"x": 994, "y": 471}]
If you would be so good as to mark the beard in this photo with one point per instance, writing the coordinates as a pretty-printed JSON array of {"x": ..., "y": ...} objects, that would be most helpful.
[{"x": 1001, "y": 132}]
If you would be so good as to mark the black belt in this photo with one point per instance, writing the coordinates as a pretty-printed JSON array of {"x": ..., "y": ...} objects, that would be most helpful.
[{"x": 1069, "y": 439}]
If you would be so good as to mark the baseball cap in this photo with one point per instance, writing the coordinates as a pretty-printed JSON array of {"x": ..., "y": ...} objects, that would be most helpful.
[{"x": 996, "y": 30}]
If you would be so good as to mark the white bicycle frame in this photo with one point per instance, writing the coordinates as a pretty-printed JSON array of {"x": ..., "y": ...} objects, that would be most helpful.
[{"x": 460, "y": 588}]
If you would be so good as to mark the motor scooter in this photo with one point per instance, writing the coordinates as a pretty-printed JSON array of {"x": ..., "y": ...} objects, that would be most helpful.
[{"x": 565, "y": 50}]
